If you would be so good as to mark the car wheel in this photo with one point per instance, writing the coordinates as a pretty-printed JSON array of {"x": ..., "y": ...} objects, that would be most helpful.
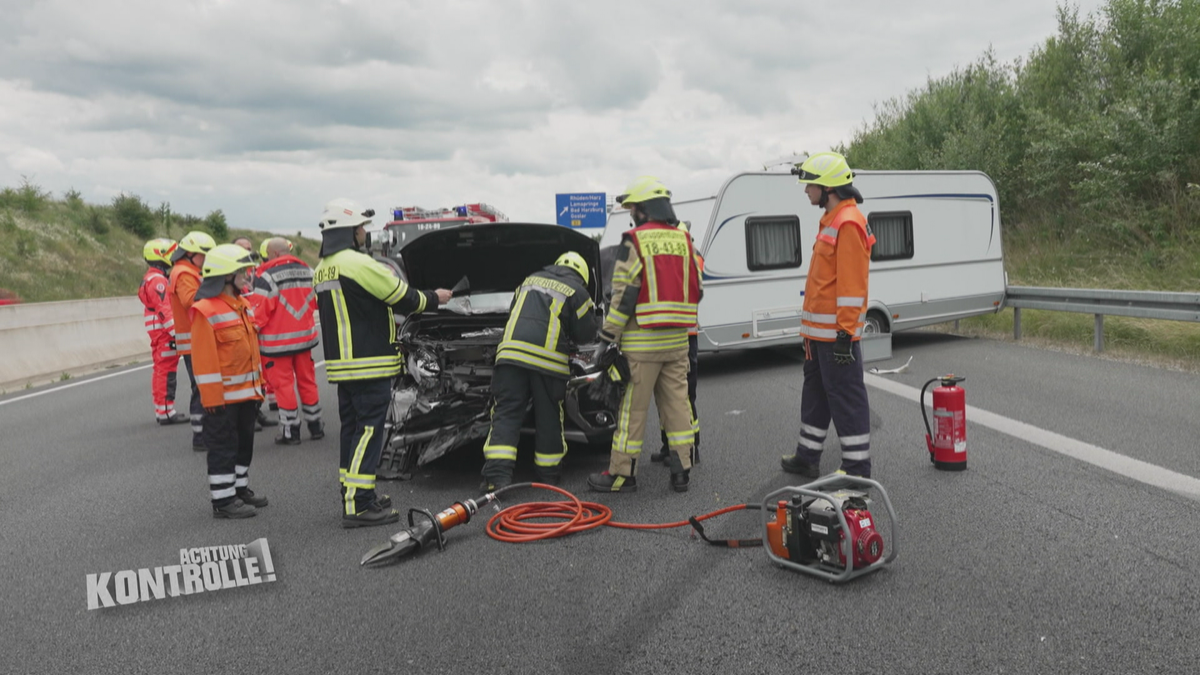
[{"x": 874, "y": 324}]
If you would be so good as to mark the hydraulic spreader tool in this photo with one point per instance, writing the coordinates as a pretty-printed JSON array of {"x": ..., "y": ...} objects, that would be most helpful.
[{"x": 824, "y": 528}]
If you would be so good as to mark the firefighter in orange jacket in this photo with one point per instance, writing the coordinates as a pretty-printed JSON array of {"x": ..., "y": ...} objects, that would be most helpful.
[
  {"x": 835, "y": 306},
  {"x": 160, "y": 325},
  {"x": 228, "y": 372},
  {"x": 260, "y": 420},
  {"x": 185, "y": 279},
  {"x": 655, "y": 289},
  {"x": 287, "y": 332}
]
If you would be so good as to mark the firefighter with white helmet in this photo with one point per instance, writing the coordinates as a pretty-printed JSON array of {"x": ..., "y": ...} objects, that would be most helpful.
[
  {"x": 356, "y": 296},
  {"x": 835, "y": 309},
  {"x": 655, "y": 289},
  {"x": 551, "y": 312}
]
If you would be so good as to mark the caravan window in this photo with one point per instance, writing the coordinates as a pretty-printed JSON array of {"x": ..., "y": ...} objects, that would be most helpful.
[
  {"x": 772, "y": 242},
  {"x": 893, "y": 235}
]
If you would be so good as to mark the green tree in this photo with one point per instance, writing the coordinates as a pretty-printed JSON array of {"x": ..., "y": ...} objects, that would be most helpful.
[
  {"x": 217, "y": 226},
  {"x": 133, "y": 215}
]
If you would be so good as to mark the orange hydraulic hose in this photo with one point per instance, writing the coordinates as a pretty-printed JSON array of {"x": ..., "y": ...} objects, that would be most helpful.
[{"x": 528, "y": 521}]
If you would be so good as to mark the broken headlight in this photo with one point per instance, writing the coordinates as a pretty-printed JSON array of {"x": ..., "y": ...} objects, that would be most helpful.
[{"x": 424, "y": 366}]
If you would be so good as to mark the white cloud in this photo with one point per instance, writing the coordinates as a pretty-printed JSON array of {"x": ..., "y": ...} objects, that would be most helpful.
[{"x": 268, "y": 109}]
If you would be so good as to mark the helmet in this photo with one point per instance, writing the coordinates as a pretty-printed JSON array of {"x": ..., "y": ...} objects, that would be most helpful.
[
  {"x": 262, "y": 249},
  {"x": 226, "y": 259},
  {"x": 574, "y": 261},
  {"x": 825, "y": 168},
  {"x": 342, "y": 212},
  {"x": 159, "y": 250},
  {"x": 643, "y": 189},
  {"x": 193, "y": 242}
]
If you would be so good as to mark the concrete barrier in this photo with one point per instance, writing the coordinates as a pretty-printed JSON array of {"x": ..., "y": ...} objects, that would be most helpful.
[{"x": 40, "y": 341}]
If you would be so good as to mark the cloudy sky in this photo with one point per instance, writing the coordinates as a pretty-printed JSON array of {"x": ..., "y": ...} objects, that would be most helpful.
[{"x": 267, "y": 109}]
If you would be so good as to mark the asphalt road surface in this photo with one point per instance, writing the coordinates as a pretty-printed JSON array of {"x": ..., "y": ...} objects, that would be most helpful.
[{"x": 1035, "y": 560}]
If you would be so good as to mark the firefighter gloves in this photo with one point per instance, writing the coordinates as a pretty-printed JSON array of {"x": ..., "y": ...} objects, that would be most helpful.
[{"x": 842, "y": 354}]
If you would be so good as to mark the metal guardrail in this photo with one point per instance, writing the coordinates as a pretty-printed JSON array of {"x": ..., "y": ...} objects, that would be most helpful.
[{"x": 1101, "y": 302}]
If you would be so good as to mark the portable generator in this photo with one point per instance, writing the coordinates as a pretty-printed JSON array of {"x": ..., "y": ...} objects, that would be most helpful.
[{"x": 826, "y": 529}]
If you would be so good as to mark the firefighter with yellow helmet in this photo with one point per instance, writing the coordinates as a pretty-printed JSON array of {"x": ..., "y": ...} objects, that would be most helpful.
[
  {"x": 655, "y": 290},
  {"x": 835, "y": 309},
  {"x": 551, "y": 312},
  {"x": 160, "y": 325}
]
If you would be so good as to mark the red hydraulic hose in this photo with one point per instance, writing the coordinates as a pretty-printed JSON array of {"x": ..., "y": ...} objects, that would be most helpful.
[{"x": 534, "y": 521}]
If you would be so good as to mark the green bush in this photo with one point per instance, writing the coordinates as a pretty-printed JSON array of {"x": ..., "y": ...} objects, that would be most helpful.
[
  {"x": 133, "y": 215},
  {"x": 216, "y": 225},
  {"x": 74, "y": 199},
  {"x": 93, "y": 219},
  {"x": 1096, "y": 133},
  {"x": 29, "y": 199}
]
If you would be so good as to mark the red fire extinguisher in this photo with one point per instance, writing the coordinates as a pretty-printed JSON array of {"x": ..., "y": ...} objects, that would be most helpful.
[{"x": 948, "y": 446}]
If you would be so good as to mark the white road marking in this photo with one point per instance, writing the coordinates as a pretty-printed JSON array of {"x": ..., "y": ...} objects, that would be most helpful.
[
  {"x": 75, "y": 384},
  {"x": 1095, "y": 455},
  {"x": 318, "y": 364}
]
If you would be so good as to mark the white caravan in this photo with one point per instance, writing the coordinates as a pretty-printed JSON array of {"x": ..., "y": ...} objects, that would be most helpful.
[{"x": 937, "y": 255}]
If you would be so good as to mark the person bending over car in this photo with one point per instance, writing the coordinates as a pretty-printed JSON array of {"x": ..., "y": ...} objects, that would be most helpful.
[{"x": 550, "y": 310}]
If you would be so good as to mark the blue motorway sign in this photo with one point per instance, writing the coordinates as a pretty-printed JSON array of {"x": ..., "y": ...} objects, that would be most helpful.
[{"x": 581, "y": 209}]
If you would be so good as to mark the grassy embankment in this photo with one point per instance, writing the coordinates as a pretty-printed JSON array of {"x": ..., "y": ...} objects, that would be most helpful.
[
  {"x": 64, "y": 249},
  {"x": 1033, "y": 260}
]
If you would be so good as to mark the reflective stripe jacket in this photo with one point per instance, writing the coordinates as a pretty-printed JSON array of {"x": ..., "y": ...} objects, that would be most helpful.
[
  {"x": 550, "y": 310},
  {"x": 355, "y": 295},
  {"x": 655, "y": 289},
  {"x": 225, "y": 357},
  {"x": 153, "y": 294},
  {"x": 185, "y": 280},
  {"x": 284, "y": 301},
  {"x": 835, "y": 294}
]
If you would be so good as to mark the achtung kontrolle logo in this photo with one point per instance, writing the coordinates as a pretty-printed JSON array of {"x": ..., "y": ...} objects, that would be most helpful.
[{"x": 204, "y": 569}]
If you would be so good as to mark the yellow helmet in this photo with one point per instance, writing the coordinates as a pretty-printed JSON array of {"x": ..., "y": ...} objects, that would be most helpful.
[
  {"x": 193, "y": 242},
  {"x": 159, "y": 250},
  {"x": 825, "y": 168},
  {"x": 574, "y": 261},
  {"x": 643, "y": 189},
  {"x": 262, "y": 249},
  {"x": 226, "y": 259}
]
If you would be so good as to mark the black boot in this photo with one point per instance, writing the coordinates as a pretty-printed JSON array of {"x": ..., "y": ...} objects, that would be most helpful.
[
  {"x": 316, "y": 430},
  {"x": 661, "y": 455},
  {"x": 370, "y": 517},
  {"x": 288, "y": 435},
  {"x": 796, "y": 465},
  {"x": 248, "y": 497},
  {"x": 265, "y": 421},
  {"x": 234, "y": 509},
  {"x": 679, "y": 475}
]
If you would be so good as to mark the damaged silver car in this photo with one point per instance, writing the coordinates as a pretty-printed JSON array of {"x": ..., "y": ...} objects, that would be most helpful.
[{"x": 442, "y": 402}]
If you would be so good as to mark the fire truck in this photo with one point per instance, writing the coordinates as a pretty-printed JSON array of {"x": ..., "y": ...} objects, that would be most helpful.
[{"x": 410, "y": 222}]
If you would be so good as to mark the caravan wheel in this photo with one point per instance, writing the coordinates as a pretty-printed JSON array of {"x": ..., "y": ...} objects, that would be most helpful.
[{"x": 875, "y": 323}]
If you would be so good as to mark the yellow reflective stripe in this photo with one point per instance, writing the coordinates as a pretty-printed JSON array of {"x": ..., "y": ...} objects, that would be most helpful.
[
  {"x": 513, "y": 316},
  {"x": 530, "y": 360},
  {"x": 341, "y": 315},
  {"x": 396, "y": 295},
  {"x": 584, "y": 308},
  {"x": 500, "y": 452},
  {"x": 555, "y": 325},
  {"x": 621, "y": 441},
  {"x": 616, "y": 316},
  {"x": 353, "y": 471},
  {"x": 535, "y": 350}
]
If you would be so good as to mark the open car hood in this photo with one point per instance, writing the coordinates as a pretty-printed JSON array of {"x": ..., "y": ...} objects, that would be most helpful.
[{"x": 495, "y": 257}]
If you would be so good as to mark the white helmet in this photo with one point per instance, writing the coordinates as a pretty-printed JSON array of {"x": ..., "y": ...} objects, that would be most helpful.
[{"x": 343, "y": 212}]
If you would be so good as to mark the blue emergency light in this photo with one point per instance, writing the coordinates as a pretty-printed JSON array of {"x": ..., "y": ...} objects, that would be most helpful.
[
  {"x": 398, "y": 214},
  {"x": 461, "y": 210}
]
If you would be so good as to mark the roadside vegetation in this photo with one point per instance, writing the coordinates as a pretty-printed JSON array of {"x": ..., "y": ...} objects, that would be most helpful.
[
  {"x": 1093, "y": 140},
  {"x": 62, "y": 248}
]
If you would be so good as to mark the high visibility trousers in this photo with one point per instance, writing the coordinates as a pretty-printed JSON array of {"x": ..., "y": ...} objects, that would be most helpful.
[
  {"x": 513, "y": 387},
  {"x": 229, "y": 436},
  {"x": 195, "y": 407},
  {"x": 362, "y": 407},
  {"x": 287, "y": 374},
  {"x": 666, "y": 381},
  {"x": 837, "y": 393},
  {"x": 163, "y": 376},
  {"x": 692, "y": 380}
]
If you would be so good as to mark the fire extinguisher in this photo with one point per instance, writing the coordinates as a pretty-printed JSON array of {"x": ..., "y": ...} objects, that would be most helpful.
[{"x": 948, "y": 446}]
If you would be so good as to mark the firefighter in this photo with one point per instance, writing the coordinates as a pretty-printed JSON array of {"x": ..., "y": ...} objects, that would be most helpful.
[
  {"x": 551, "y": 310},
  {"x": 655, "y": 289},
  {"x": 160, "y": 325},
  {"x": 186, "y": 261},
  {"x": 835, "y": 306},
  {"x": 228, "y": 372},
  {"x": 260, "y": 418},
  {"x": 664, "y": 451},
  {"x": 287, "y": 332},
  {"x": 356, "y": 295}
]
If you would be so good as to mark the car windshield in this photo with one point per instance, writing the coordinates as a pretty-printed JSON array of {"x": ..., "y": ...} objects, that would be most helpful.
[{"x": 482, "y": 303}]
